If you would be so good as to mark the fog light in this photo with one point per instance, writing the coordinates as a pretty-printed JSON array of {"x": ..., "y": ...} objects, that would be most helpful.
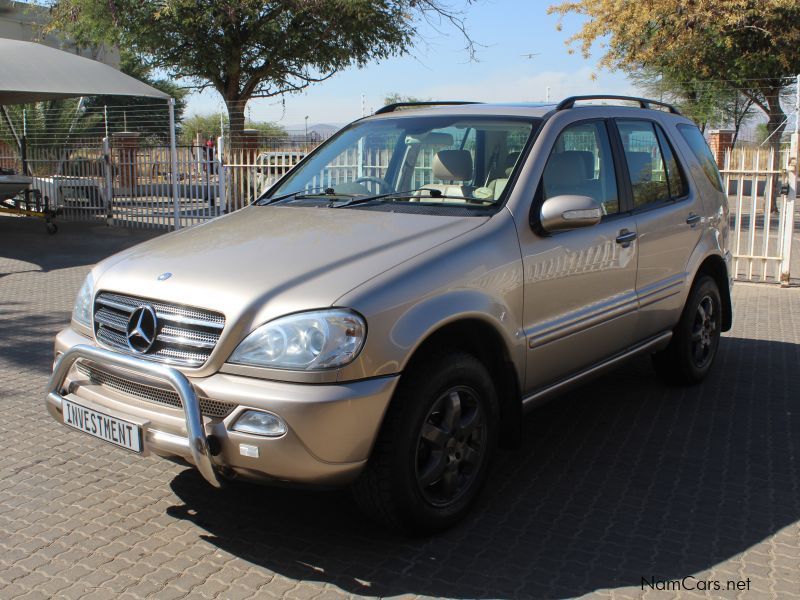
[{"x": 260, "y": 423}]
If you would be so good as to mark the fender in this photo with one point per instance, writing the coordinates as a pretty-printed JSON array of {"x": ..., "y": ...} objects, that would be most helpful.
[{"x": 711, "y": 244}]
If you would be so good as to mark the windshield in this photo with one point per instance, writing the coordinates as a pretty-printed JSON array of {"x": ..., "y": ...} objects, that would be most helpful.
[{"x": 430, "y": 160}]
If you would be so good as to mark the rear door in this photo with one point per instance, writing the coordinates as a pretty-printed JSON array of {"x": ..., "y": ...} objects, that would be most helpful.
[{"x": 668, "y": 214}]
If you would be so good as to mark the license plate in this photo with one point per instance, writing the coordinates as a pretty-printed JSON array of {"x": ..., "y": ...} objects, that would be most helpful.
[{"x": 111, "y": 429}]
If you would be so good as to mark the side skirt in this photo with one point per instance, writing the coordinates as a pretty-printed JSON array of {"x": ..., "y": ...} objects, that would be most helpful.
[{"x": 542, "y": 395}]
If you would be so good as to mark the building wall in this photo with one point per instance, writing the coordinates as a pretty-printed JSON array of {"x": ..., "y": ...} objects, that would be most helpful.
[{"x": 22, "y": 21}]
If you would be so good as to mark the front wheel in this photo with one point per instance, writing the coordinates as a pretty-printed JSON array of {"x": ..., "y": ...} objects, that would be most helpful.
[
  {"x": 695, "y": 339},
  {"x": 432, "y": 454}
]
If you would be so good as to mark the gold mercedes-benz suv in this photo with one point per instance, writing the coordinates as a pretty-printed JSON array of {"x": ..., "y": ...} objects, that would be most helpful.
[{"x": 385, "y": 313}]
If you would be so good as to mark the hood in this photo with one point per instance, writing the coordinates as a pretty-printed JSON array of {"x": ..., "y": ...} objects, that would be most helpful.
[{"x": 265, "y": 261}]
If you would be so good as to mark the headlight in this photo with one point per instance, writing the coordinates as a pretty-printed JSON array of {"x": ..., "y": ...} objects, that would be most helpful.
[
  {"x": 304, "y": 341},
  {"x": 82, "y": 312}
]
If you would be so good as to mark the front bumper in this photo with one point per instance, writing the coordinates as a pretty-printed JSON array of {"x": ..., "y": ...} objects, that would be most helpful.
[{"x": 330, "y": 428}]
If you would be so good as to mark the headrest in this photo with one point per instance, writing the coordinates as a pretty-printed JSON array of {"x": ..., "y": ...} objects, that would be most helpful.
[
  {"x": 511, "y": 160},
  {"x": 588, "y": 162},
  {"x": 452, "y": 165},
  {"x": 565, "y": 168},
  {"x": 432, "y": 138},
  {"x": 640, "y": 165}
]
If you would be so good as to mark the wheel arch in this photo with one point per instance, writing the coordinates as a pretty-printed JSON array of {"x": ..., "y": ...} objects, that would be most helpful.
[
  {"x": 481, "y": 339},
  {"x": 714, "y": 266}
]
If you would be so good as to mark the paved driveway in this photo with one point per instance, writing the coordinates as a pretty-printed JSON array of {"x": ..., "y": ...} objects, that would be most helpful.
[{"x": 621, "y": 480}]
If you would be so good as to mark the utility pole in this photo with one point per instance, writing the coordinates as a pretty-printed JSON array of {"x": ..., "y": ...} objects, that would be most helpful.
[{"x": 791, "y": 196}]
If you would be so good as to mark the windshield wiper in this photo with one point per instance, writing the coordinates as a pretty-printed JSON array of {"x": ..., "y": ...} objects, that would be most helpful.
[
  {"x": 328, "y": 191},
  {"x": 433, "y": 193}
]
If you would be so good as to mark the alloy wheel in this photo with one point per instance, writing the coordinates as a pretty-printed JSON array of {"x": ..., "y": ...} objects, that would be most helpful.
[
  {"x": 451, "y": 447},
  {"x": 704, "y": 333}
]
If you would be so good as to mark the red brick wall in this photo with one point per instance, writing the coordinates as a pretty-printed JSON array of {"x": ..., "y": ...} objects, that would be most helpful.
[{"x": 719, "y": 141}]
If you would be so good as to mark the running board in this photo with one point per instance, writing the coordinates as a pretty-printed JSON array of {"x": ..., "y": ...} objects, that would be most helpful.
[{"x": 539, "y": 397}]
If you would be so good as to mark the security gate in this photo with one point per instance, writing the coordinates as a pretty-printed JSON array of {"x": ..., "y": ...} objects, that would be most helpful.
[{"x": 761, "y": 189}]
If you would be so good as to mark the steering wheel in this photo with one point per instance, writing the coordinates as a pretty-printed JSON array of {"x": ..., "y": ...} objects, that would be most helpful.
[{"x": 383, "y": 185}]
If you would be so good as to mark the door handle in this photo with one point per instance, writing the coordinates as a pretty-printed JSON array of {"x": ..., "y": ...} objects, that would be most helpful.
[
  {"x": 625, "y": 237},
  {"x": 693, "y": 219}
]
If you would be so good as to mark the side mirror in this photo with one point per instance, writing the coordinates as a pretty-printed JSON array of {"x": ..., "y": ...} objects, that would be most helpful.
[{"x": 562, "y": 213}]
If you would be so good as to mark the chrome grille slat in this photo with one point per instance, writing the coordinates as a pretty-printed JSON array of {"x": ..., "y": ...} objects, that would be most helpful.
[
  {"x": 184, "y": 341},
  {"x": 186, "y": 335},
  {"x": 111, "y": 319},
  {"x": 157, "y": 395}
]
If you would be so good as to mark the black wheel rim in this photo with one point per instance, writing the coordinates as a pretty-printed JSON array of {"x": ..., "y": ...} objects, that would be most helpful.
[
  {"x": 451, "y": 446},
  {"x": 704, "y": 333}
]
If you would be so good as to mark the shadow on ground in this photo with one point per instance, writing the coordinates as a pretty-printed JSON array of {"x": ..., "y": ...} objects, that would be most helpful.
[
  {"x": 27, "y": 340},
  {"x": 75, "y": 244},
  {"x": 622, "y": 479}
]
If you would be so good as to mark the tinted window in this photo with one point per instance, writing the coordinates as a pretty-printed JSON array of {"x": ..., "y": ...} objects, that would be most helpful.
[
  {"x": 645, "y": 162},
  {"x": 702, "y": 152},
  {"x": 675, "y": 176},
  {"x": 581, "y": 164}
]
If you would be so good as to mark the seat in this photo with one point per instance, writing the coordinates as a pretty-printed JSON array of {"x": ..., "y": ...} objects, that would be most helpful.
[
  {"x": 495, "y": 187},
  {"x": 640, "y": 164},
  {"x": 588, "y": 162},
  {"x": 565, "y": 173},
  {"x": 451, "y": 166}
]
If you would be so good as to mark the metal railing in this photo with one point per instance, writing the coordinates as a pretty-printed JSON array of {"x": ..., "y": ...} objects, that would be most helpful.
[{"x": 762, "y": 216}]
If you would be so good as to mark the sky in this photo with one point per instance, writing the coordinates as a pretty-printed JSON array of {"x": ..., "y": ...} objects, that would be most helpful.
[{"x": 439, "y": 68}]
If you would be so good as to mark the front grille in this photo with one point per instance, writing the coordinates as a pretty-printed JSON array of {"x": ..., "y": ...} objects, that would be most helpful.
[
  {"x": 185, "y": 335},
  {"x": 157, "y": 395}
]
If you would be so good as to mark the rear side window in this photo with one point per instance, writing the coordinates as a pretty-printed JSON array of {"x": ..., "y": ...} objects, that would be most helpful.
[
  {"x": 645, "y": 162},
  {"x": 675, "y": 176},
  {"x": 702, "y": 152}
]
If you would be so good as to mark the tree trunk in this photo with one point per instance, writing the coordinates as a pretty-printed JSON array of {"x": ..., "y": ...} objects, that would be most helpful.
[
  {"x": 236, "y": 108},
  {"x": 775, "y": 125},
  {"x": 776, "y": 118}
]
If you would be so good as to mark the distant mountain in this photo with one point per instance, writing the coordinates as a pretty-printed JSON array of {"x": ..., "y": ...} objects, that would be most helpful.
[{"x": 320, "y": 129}]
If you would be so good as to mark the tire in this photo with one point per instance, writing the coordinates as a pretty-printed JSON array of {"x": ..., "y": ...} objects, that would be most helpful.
[
  {"x": 432, "y": 454},
  {"x": 695, "y": 340}
]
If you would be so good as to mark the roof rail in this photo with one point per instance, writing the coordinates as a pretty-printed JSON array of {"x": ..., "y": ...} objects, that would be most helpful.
[
  {"x": 643, "y": 102},
  {"x": 398, "y": 105}
]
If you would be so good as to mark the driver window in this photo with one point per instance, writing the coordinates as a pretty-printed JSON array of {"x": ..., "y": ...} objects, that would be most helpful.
[
  {"x": 581, "y": 164},
  {"x": 358, "y": 168}
]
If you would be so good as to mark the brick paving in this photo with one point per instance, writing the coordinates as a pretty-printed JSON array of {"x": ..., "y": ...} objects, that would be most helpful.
[{"x": 620, "y": 480}]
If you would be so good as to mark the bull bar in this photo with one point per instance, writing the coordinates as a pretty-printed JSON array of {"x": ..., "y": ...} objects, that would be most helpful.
[{"x": 197, "y": 442}]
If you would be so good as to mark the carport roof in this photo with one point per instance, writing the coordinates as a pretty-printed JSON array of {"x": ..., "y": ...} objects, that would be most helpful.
[{"x": 31, "y": 72}]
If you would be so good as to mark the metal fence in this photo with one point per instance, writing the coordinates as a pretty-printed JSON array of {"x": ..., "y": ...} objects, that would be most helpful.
[
  {"x": 118, "y": 182},
  {"x": 762, "y": 212}
]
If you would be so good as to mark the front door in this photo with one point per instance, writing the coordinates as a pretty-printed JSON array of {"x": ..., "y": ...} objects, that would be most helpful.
[{"x": 580, "y": 297}]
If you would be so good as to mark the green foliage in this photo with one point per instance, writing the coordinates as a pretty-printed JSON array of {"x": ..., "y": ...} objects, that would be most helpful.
[
  {"x": 207, "y": 126},
  {"x": 394, "y": 98},
  {"x": 148, "y": 116},
  {"x": 750, "y": 45},
  {"x": 251, "y": 48},
  {"x": 51, "y": 123}
]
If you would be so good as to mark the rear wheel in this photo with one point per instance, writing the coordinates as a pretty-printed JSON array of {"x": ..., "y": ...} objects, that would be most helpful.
[
  {"x": 695, "y": 339},
  {"x": 432, "y": 454}
]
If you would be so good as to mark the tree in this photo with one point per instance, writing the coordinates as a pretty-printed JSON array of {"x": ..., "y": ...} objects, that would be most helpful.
[
  {"x": 208, "y": 126},
  {"x": 248, "y": 49},
  {"x": 148, "y": 116},
  {"x": 750, "y": 45},
  {"x": 708, "y": 103},
  {"x": 395, "y": 97}
]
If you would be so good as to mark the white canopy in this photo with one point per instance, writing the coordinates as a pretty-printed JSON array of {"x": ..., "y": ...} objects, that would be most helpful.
[{"x": 31, "y": 72}]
